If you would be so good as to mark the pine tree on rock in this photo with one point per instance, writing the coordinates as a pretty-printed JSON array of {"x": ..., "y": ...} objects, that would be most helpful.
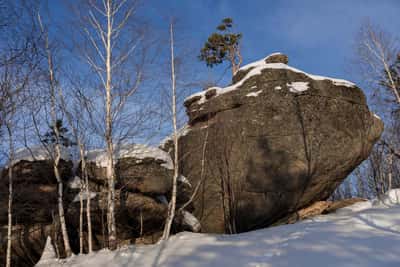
[{"x": 221, "y": 46}]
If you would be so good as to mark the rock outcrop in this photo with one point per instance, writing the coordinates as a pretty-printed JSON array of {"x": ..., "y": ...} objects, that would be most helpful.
[
  {"x": 144, "y": 181},
  {"x": 34, "y": 208},
  {"x": 274, "y": 142}
]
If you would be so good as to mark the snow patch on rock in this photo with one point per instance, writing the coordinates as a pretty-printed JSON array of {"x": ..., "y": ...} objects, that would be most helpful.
[
  {"x": 254, "y": 94},
  {"x": 39, "y": 152},
  {"x": 138, "y": 151},
  {"x": 298, "y": 87}
]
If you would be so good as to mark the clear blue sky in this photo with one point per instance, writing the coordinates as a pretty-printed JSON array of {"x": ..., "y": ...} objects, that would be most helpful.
[{"x": 317, "y": 35}]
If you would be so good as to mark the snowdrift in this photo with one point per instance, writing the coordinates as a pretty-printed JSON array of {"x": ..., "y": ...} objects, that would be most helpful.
[{"x": 366, "y": 234}]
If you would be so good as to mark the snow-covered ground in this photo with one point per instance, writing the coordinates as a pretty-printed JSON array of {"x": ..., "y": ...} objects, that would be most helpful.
[{"x": 366, "y": 234}]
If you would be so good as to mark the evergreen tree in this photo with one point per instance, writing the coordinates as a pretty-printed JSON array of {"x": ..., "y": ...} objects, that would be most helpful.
[
  {"x": 51, "y": 138},
  {"x": 223, "y": 46}
]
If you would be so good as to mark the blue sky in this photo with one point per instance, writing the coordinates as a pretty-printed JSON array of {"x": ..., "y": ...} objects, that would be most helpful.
[{"x": 317, "y": 35}]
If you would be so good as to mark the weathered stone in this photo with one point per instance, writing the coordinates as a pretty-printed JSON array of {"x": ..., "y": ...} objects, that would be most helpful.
[
  {"x": 143, "y": 175},
  {"x": 210, "y": 93},
  {"x": 272, "y": 148},
  {"x": 277, "y": 58}
]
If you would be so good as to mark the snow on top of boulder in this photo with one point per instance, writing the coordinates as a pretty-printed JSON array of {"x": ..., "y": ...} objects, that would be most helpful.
[
  {"x": 256, "y": 68},
  {"x": 39, "y": 152},
  {"x": 220, "y": 91},
  {"x": 139, "y": 151},
  {"x": 260, "y": 62}
]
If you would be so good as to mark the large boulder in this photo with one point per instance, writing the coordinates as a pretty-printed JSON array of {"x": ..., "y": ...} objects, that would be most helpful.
[{"x": 275, "y": 141}]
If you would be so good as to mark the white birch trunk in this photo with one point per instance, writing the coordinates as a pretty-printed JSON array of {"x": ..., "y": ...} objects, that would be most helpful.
[
  {"x": 391, "y": 80},
  {"x": 88, "y": 199},
  {"x": 112, "y": 235},
  {"x": 10, "y": 196},
  {"x": 81, "y": 218},
  {"x": 390, "y": 171},
  {"x": 63, "y": 225},
  {"x": 172, "y": 204}
]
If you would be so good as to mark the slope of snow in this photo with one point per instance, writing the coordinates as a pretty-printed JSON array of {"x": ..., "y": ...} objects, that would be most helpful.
[
  {"x": 363, "y": 235},
  {"x": 255, "y": 69},
  {"x": 48, "y": 254},
  {"x": 99, "y": 156}
]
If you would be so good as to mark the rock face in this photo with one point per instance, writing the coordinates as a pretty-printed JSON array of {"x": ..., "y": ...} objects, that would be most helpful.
[{"x": 274, "y": 142}]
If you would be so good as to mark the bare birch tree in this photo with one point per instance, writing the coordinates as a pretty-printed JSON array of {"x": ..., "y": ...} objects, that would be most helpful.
[
  {"x": 8, "y": 116},
  {"x": 52, "y": 84},
  {"x": 75, "y": 115},
  {"x": 12, "y": 84},
  {"x": 377, "y": 52},
  {"x": 17, "y": 63},
  {"x": 108, "y": 54},
  {"x": 172, "y": 204}
]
